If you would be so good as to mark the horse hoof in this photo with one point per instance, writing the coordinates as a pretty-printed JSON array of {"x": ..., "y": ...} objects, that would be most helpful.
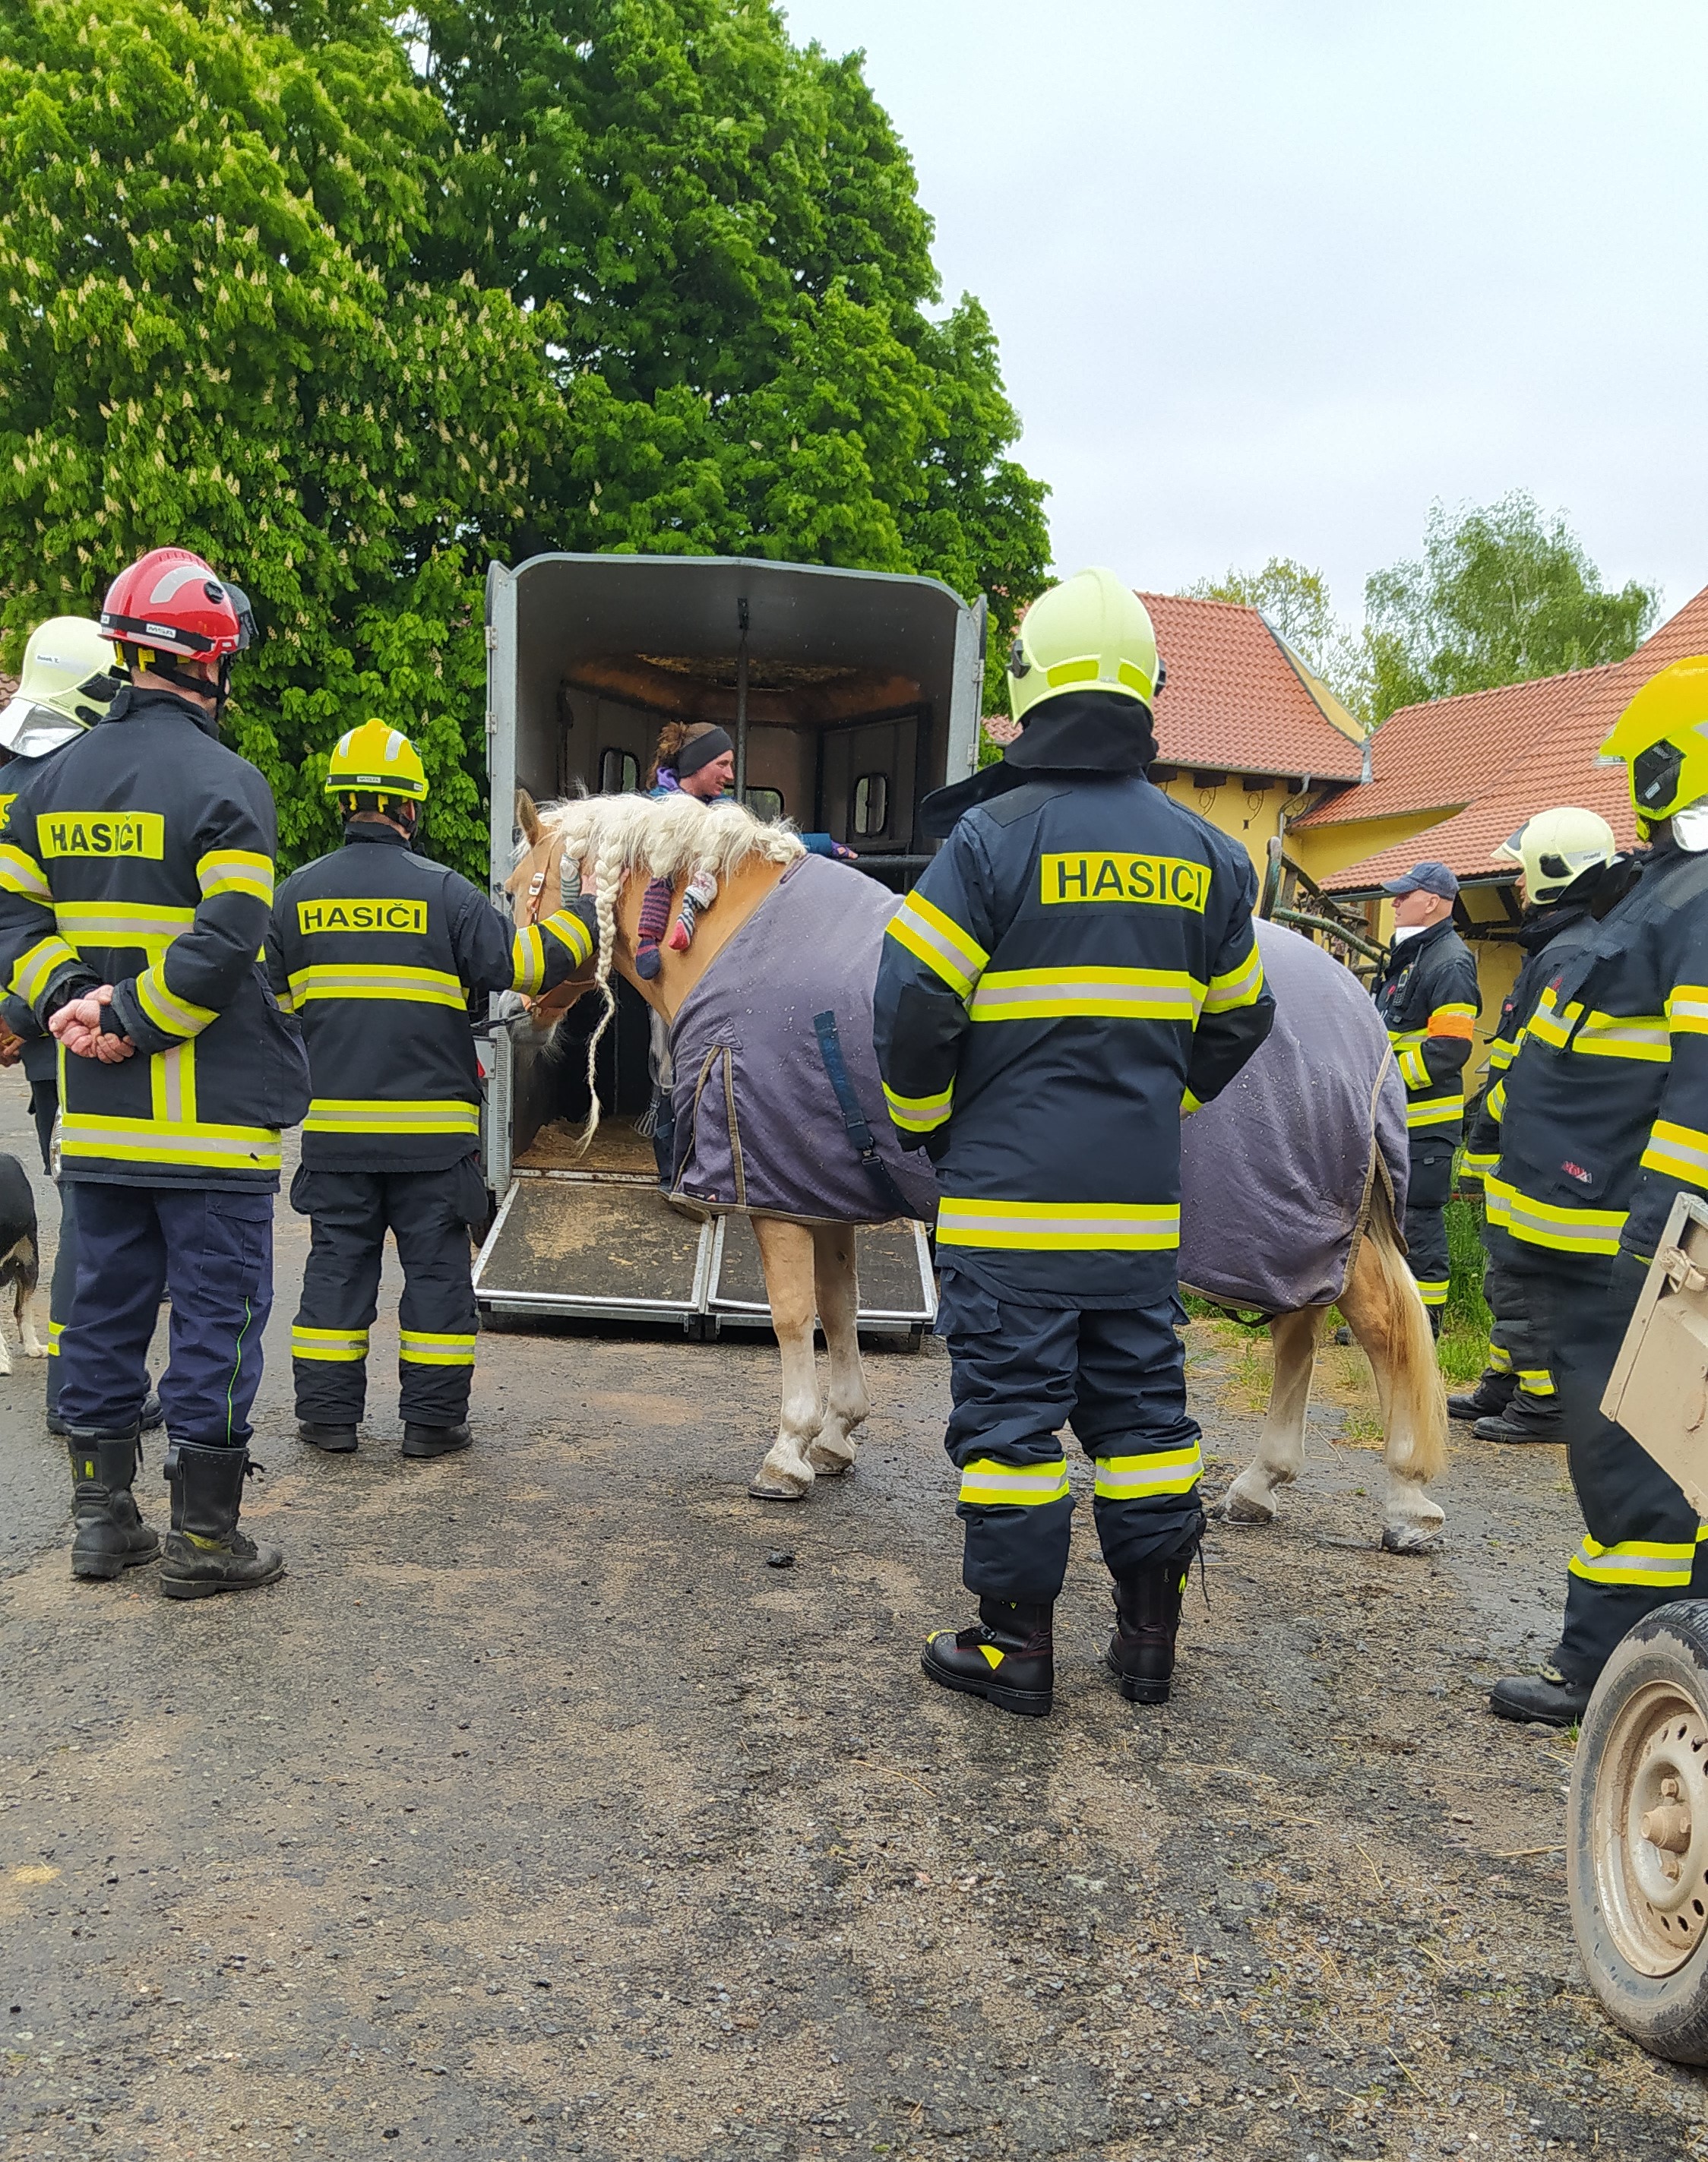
[
  {"x": 796, "y": 1492},
  {"x": 1414, "y": 1540},
  {"x": 828, "y": 1465},
  {"x": 1236, "y": 1508}
]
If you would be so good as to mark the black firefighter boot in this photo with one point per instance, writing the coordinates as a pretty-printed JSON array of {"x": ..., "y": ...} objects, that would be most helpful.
[
  {"x": 110, "y": 1536},
  {"x": 1007, "y": 1656},
  {"x": 1487, "y": 1400},
  {"x": 1526, "y": 1418},
  {"x": 1141, "y": 1654},
  {"x": 205, "y": 1553},
  {"x": 1547, "y": 1699}
]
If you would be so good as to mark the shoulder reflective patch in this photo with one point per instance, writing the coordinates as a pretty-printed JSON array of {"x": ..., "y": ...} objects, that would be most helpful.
[
  {"x": 400, "y": 916},
  {"x": 1161, "y": 881},
  {"x": 100, "y": 833}
]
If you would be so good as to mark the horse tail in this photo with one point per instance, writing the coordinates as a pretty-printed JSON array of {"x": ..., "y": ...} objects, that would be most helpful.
[{"x": 1415, "y": 1405}]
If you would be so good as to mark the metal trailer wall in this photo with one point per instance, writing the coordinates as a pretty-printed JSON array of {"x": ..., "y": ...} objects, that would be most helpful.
[{"x": 828, "y": 679}]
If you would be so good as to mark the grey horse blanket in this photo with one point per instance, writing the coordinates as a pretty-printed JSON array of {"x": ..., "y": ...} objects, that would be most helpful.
[
  {"x": 757, "y": 1119},
  {"x": 1277, "y": 1174}
]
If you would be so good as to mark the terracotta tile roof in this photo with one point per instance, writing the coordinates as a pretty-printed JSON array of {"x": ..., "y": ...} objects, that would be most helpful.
[
  {"x": 1559, "y": 766},
  {"x": 1434, "y": 757},
  {"x": 1234, "y": 702}
]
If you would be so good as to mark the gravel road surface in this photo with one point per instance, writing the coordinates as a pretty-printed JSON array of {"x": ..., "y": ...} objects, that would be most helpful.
[{"x": 537, "y": 1813}]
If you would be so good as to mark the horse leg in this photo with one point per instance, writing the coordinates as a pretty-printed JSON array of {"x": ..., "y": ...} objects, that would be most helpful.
[
  {"x": 1391, "y": 1324},
  {"x": 848, "y": 1403},
  {"x": 1281, "y": 1446},
  {"x": 786, "y": 1251}
]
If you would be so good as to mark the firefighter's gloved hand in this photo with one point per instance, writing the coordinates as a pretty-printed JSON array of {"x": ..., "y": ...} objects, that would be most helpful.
[{"x": 87, "y": 1029}]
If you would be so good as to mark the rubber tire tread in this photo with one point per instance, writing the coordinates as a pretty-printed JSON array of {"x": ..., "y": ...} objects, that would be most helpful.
[{"x": 1666, "y": 2015}]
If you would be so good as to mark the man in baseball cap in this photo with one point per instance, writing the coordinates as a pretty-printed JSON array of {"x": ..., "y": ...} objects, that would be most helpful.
[{"x": 1427, "y": 995}]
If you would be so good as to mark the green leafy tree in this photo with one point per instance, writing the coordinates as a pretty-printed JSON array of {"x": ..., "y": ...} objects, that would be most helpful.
[
  {"x": 1500, "y": 595},
  {"x": 214, "y": 332},
  {"x": 728, "y": 229},
  {"x": 1295, "y": 604}
]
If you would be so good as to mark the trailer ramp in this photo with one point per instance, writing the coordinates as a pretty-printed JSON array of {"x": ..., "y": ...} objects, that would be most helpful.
[{"x": 608, "y": 1245}]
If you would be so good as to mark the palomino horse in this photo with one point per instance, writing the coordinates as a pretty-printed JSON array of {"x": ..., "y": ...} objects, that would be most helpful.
[{"x": 618, "y": 842}]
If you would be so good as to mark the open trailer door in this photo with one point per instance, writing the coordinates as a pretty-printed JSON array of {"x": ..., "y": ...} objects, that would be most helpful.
[{"x": 850, "y": 695}]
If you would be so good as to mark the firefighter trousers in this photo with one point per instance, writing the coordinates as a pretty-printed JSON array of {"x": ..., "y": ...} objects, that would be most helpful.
[
  {"x": 1517, "y": 1344},
  {"x": 212, "y": 1255},
  {"x": 431, "y": 1214},
  {"x": 1018, "y": 1373},
  {"x": 1642, "y": 1540},
  {"x": 1428, "y": 1188}
]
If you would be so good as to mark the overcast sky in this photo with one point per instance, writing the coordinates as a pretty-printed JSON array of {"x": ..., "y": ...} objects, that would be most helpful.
[{"x": 1268, "y": 280}]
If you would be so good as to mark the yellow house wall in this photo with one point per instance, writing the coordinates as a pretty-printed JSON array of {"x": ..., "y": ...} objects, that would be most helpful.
[
  {"x": 1251, "y": 816},
  {"x": 1320, "y": 851}
]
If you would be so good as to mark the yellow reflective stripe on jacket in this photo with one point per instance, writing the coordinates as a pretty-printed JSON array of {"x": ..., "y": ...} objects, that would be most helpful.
[
  {"x": 151, "y": 1140},
  {"x": 939, "y": 941},
  {"x": 171, "y": 1014},
  {"x": 1677, "y": 1152},
  {"x": 381, "y": 1114},
  {"x": 1687, "y": 1004},
  {"x": 1242, "y": 986},
  {"x": 919, "y": 1115},
  {"x": 987, "y": 1481},
  {"x": 423, "y": 1347},
  {"x": 1546, "y": 1223},
  {"x": 569, "y": 930},
  {"x": 20, "y": 873},
  {"x": 35, "y": 968},
  {"x": 1431, "y": 1110},
  {"x": 1433, "y": 1290},
  {"x": 134, "y": 923},
  {"x": 1135, "y": 1478},
  {"x": 339, "y": 1346},
  {"x": 1478, "y": 1166},
  {"x": 1057, "y": 1226},
  {"x": 1104, "y": 993},
  {"x": 1662, "y": 1565},
  {"x": 327, "y": 980},
  {"x": 236, "y": 870},
  {"x": 1605, "y": 1035},
  {"x": 1624, "y": 1035},
  {"x": 1503, "y": 1051},
  {"x": 527, "y": 960},
  {"x": 1412, "y": 1070}
]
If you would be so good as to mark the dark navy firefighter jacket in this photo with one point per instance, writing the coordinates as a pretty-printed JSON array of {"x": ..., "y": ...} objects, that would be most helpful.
[
  {"x": 1075, "y": 968},
  {"x": 377, "y": 951}
]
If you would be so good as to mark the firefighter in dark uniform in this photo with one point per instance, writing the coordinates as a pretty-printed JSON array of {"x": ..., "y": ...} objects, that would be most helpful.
[
  {"x": 377, "y": 951},
  {"x": 1606, "y": 1122},
  {"x": 67, "y": 685},
  {"x": 1563, "y": 856},
  {"x": 136, "y": 875},
  {"x": 1427, "y": 998},
  {"x": 1075, "y": 970}
]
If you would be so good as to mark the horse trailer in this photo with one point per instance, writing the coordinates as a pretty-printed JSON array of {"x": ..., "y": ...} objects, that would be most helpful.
[{"x": 849, "y": 695}]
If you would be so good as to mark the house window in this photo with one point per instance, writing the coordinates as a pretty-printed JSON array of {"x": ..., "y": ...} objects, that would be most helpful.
[
  {"x": 766, "y": 803},
  {"x": 871, "y": 804},
  {"x": 619, "y": 772}
]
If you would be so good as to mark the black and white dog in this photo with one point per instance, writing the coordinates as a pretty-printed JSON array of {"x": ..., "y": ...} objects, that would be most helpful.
[{"x": 20, "y": 1256}]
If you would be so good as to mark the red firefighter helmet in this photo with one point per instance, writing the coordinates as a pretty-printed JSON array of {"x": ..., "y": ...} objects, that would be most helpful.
[{"x": 171, "y": 602}]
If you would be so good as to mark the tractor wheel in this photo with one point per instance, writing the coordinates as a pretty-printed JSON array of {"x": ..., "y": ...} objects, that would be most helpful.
[{"x": 1637, "y": 1835}]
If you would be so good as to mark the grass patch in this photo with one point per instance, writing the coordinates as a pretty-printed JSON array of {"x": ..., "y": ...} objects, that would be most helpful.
[{"x": 1464, "y": 1325}]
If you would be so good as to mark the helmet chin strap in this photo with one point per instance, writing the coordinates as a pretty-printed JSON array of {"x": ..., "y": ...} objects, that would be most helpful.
[{"x": 165, "y": 666}]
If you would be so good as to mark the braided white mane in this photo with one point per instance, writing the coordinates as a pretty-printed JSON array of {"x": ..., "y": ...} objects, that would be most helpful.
[{"x": 669, "y": 836}]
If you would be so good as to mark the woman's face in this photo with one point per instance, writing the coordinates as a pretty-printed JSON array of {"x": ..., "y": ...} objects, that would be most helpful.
[{"x": 713, "y": 779}]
